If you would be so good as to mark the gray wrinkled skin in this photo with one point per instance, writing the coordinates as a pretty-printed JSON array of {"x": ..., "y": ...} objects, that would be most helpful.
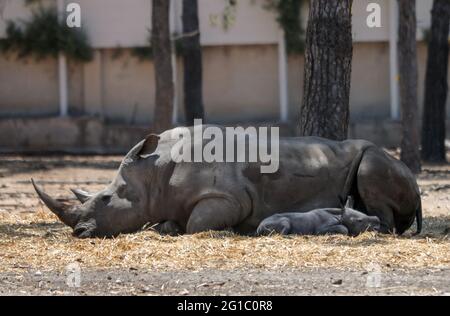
[
  {"x": 358, "y": 223},
  {"x": 324, "y": 221},
  {"x": 193, "y": 197}
]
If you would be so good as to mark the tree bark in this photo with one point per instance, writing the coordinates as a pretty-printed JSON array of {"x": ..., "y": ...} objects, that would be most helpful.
[
  {"x": 162, "y": 52},
  {"x": 436, "y": 86},
  {"x": 192, "y": 61},
  {"x": 328, "y": 66},
  {"x": 407, "y": 43}
]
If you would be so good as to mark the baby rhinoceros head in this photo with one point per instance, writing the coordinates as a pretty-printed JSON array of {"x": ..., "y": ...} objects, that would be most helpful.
[{"x": 357, "y": 222}]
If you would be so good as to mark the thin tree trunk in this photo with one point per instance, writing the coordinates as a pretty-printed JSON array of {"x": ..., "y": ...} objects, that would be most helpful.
[
  {"x": 436, "y": 86},
  {"x": 328, "y": 66},
  {"x": 192, "y": 60},
  {"x": 162, "y": 51},
  {"x": 407, "y": 43}
]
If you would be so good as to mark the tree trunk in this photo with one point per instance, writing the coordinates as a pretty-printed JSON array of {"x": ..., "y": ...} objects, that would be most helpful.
[
  {"x": 162, "y": 52},
  {"x": 328, "y": 66},
  {"x": 433, "y": 128},
  {"x": 192, "y": 60},
  {"x": 407, "y": 43}
]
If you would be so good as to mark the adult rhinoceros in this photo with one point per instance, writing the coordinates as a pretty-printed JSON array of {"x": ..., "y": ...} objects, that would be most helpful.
[{"x": 313, "y": 172}]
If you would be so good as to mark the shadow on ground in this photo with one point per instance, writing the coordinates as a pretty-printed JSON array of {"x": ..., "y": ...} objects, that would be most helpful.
[
  {"x": 29, "y": 164},
  {"x": 434, "y": 227},
  {"x": 42, "y": 229}
]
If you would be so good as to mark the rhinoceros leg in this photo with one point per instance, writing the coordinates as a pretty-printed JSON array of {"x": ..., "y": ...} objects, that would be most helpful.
[
  {"x": 388, "y": 190},
  {"x": 214, "y": 214},
  {"x": 282, "y": 227},
  {"x": 285, "y": 227},
  {"x": 169, "y": 228},
  {"x": 335, "y": 229}
]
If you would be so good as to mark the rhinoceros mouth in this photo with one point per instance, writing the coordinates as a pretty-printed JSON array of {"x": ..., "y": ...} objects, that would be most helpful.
[
  {"x": 68, "y": 214},
  {"x": 85, "y": 229}
]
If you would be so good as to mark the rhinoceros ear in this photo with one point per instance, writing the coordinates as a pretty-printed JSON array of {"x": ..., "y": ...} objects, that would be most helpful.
[
  {"x": 149, "y": 146},
  {"x": 144, "y": 149}
]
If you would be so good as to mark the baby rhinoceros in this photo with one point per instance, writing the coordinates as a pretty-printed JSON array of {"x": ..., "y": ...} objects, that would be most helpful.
[{"x": 346, "y": 221}]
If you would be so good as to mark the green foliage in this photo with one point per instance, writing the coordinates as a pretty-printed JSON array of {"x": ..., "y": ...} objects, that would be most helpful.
[
  {"x": 289, "y": 18},
  {"x": 229, "y": 14},
  {"x": 142, "y": 52},
  {"x": 227, "y": 17},
  {"x": 44, "y": 36}
]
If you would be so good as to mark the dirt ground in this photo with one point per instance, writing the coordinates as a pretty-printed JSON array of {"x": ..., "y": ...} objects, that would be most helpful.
[{"x": 38, "y": 254}]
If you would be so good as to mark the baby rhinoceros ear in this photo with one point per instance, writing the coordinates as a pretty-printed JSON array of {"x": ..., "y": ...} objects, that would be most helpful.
[{"x": 350, "y": 202}]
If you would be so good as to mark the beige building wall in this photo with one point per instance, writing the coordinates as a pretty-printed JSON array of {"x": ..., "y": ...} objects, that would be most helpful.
[
  {"x": 240, "y": 65},
  {"x": 28, "y": 87},
  {"x": 422, "y": 52},
  {"x": 76, "y": 90},
  {"x": 113, "y": 23},
  {"x": 370, "y": 91},
  {"x": 128, "y": 88},
  {"x": 296, "y": 66},
  {"x": 369, "y": 94},
  {"x": 240, "y": 83}
]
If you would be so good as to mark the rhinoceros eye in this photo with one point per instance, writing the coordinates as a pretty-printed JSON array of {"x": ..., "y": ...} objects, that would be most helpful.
[
  {"x": 125, "y": 192},
  {"x": 106, "y": 198},
  {"x": 121, "y": 190}
]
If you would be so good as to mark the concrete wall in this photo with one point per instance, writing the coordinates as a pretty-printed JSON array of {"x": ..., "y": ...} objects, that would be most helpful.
[
  {"x": 72, "y": 135},
  {"x": 28, "y": 87},
  {"x": 112, "y": 23},
  {"x": 370, "y": 91},
  {"x": 240, "y": 65},
  {"x": 90, "y": 135},
  {"x": 240, "y": 84},
  {"x": 128, "y": 88},
  {"x": 369, "y": 95}
]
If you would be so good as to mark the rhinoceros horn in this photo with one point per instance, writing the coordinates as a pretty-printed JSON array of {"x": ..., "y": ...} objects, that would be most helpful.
[
  {"x": 81, "y": 195},
  {"x": 67, "y": 214}
]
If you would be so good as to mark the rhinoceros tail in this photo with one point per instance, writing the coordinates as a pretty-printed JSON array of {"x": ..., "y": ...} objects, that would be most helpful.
[{"x": 419, "y": 218}]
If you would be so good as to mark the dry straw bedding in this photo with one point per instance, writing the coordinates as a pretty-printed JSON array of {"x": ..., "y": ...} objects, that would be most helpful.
[{"x": 36, "y": 240}]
